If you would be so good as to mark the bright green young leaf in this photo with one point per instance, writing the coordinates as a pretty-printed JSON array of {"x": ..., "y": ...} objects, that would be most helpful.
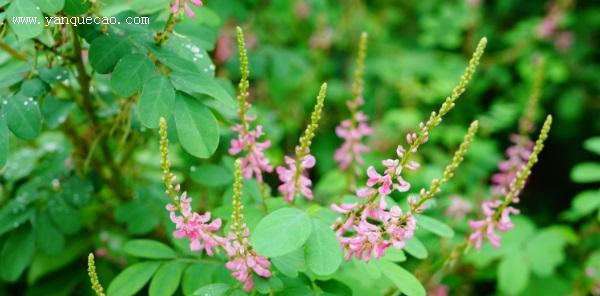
[
  {"x": 281, "y": 232},
  {"x": 291, "y": 263},
  {"x": 197, "y": 127},
  {"x": 166, "y": 280},
  {"x": 48, "y": 237},
  {"x": 587, "y": 172},
  {"x": 132, "y": 279},
  {"x": 212, "y": 175},
  {"x": 416, "y": 248},
  {"x": 592, "y": 144},
  {"x": 435, "y": 226},
  {"x": 198, "y": 83},
  {"x": 17, "y": 253},
  {"x": 157, "y": 100},
  {"x": 106, "y": 51},
  {"x": 130, "y": 74},
  {"x": 394, "y": 255},
  {"x": 513, "y": 273},
  {"x": 545, "y": 251},
  {"x": 322, "y": 251},
  {"x": 26, "y": 12},
  {"x": 217, "y": 289},
  {"x": 196, "y": 276},
  {"x": 404, "y": 280},
  {"x": 585, "y": 202},
  {"x": 3, "y": 139},
  {"x": 50, "y": 6},
  {"x": 23, "y": 116},
  {"x": 151, "y": 249}
]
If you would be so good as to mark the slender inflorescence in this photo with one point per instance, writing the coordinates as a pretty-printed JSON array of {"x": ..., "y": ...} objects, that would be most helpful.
[
  {"x": 527, "y": 121},
  {"x": 254, "y": 162},
  {"x": 198, "y": 228},
  {"x": 353, "y": 130},
  {"x": 243, "y": 260},
  {"x": 293, "y": 174},
  {"x": 96, "y": 286},
  {"x": 497, "y": 211},
  {"x": 362, "y": 238}
]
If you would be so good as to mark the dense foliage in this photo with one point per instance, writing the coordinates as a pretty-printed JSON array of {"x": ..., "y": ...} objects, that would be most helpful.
[{"x": 175, "y": 147}]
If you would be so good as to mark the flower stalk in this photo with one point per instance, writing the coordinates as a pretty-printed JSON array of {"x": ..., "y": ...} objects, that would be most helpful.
[{"x": 96, "y": 286}]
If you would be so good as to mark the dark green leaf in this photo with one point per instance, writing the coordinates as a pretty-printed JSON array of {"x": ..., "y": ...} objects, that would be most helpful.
[
  {"x": 106, "y": 51},
  {"x": 17, "y": 253},
  {"x": 53, "y": 75},
  {"x": 3, "y": 140},
  {"x": 157, "y": 100},
  {"x": 76, "y": 7},
  {"x": 48, "y": 237},
  {"x": 23, "y": 116},
  {"x": 197, "y": 127},
  {"x": 130, "y": 74},
  {"x": 56, "y": 111},
  {"x": 64, "y": 216}
]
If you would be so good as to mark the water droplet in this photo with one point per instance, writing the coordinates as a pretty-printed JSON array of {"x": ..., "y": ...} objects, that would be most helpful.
[
  {"x": 212, "y": 67},
  {"x": 25, "y": 103},
  {"x": 16, "y": 225},
  {"x": 55, "y": 183},
  {"x": 30, "y": 99},
  {"x": 5, "y": 102},
  {"x": 195, "y": 59},
  {"x": 193, "y": 168}
]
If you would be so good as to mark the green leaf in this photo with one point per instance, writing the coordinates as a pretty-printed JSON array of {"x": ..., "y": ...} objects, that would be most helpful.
[
  {"x": 77, "y": 191},
  {"x": 334, "y": 287},
  {"x": 403, "y": 279},
  {"x": 50, "y": 6},
  {"x": 20, "y": 164},
  {"x": 48, "y": 237},
  {"x": 281, "y": 232},
  {"x": 17, "y": 253},
  {"x": 212, "y": 175},
  {"x": 586, "y": 202},
  {"x": 197, "y": 127},
  {"x": 157, "y": 100},
  {"x": 166, "y": 280},
  {"x": 592, "y": 144},
  {"x": 394, "y": 255},
  {"x": 198, "y": 83},
  {"x": 545, "y": 251},
  {"x": 3, "y": 140},
  {"x": 586, "y": 172},
  {"x": 322, "y": 251},
  {"x": 64, "y": 216},
  {"x": 132, "y": 279},
  {"x": 27, "y": 10},
  {"x": 217, "y": 289},
  {"x": 53, "y": 75},
  {"x": 76, "y": 7},
  {"x": 130, "y": 74},
  {"x": 106, "y": 51},
  {"x": 196, "y": 276},
  {"x": 290, "y": 264},
  {"x": 145, "y": 248},
  {"x": 56, "y": 111},
  {"x": 513, "y": 273},
  {"x": 45, "y": 263},
  {"x": 33, "y": 88},
  {"x": 416, "y": 248},
  {"x": 435, "y": 226},
  {"x": 23, "y": 116},
  {"x": 138, "y": 216}
]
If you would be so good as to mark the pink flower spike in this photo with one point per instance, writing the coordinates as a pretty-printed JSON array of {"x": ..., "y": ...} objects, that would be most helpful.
[
  {"x": 188, "y": 10},
  {"x": 197, "y": 3},
  {"x": 175, "y": 6}
]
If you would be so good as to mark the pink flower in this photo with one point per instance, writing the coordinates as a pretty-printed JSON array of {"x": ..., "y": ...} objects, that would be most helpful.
[
  {"x": 458, "y": 208},
  {"x": 438, "y": 290},
  {"x": 517, "y": 156},
  {"x": 486, "y": 228},
  {"x": 254, "y": 163},
  {"x": 177, "y": 4},
  {"x": 194, "y": 226},
  {"x": 294, "y": 178},
  {"x": 352, "y": 131},
  {"x": 243, "y": 261}
]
